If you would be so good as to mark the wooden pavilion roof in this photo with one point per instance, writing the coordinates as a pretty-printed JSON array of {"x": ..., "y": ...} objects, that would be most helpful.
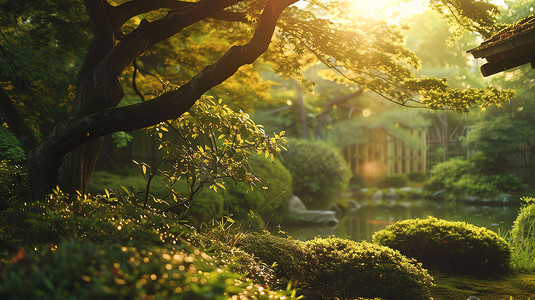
[{"x": 511, "y": 47}]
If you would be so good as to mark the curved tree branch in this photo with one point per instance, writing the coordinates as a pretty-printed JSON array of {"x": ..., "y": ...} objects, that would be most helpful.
[
  {"x": 130, "y": 9},
  {"x": 109, "y": 91},
  {"x": 74, "y": 132}
]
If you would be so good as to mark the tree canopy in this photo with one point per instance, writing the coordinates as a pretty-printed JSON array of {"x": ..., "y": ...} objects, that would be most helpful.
[{"x": 169, "y": 53}]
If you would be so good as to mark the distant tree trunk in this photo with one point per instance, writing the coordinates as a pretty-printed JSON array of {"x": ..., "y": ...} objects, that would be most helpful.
[
  {"x": 322, "y": 118},
  {"x": 302, "y": 112}
]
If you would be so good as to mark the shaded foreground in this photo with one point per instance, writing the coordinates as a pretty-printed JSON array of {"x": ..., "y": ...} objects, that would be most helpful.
[{"x": 455, "y": 286}]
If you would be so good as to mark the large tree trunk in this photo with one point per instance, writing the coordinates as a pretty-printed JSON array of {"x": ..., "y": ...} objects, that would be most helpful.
[{"x": 78, "y": 166}]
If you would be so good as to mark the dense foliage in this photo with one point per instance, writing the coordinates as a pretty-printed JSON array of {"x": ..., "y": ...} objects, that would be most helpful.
[
  {"x": 10, "y": 148},
  {"x": 335, "y": 267},
  {"x": 13, "y": 183},
  {"x": 147, "y": 63},
  {"x": 462, "y": 178},
  {"x": 523, "y": 237},
  {"x": 110, "y": 246},
  {"x": 446, "y": 245},
  {"x": 319, "y": 172},
  {"x": 90, "y": 271},
  {"x": 265, "y": 200}
]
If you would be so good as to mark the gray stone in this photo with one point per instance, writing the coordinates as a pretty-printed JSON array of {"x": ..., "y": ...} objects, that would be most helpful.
[
  {"x": 391, "y": 194},
  {"x": 378, "y": 196},
  {"x": 299, "y": 211},
  {"x": 439, "y": 194}
]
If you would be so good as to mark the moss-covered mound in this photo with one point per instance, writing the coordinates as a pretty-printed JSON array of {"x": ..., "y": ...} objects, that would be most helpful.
[
  {"x": 335, "y": 267},
  {"x": 448, "y": 246}
]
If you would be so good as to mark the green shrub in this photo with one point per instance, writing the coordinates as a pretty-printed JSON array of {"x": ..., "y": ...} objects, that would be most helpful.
[
  {"x": 285, "y": 254},
  {"x": 444, "y": 174},
  {"x": 13, "y": 183},
  {"x": 266, "y": 199},
  {"x": 461, "y": 178},
  {"x": 319, "y": 172},
  {"x": 474, "y": 185},
  {"x": 10, "y": 147},
  {"x": 393, "y": 180},
  {"x": 103, "y": 219},
  {"x": 74, "y": 270},
  {"x": 523, "y": 238},
  {"x": 417, "y": 176},
  {"x": 509, "y": 183},
  {"x": 110, "y": 220},
  {"x": 446, "y": 245},
  {"x": 335, "y": 267},
  {"x": 524, "y": 225}
]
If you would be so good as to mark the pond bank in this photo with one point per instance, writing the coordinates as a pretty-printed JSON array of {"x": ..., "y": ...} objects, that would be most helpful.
[{"x": 370, "y": 217}]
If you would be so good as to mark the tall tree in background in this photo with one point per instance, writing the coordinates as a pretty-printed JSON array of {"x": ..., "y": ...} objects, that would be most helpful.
[{"x": 358, "y": 49}]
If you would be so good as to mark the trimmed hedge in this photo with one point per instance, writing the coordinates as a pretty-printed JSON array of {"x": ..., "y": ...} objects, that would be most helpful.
[
  {"x": 446, "y": 245},
  {"x": 335, "y": 267},
  {"x": 319, "y": 172}
]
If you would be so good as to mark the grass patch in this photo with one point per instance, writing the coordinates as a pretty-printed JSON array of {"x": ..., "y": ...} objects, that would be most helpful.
[
  {"x": 130, "y": 178},
  {"x": 508, "y": 286}
]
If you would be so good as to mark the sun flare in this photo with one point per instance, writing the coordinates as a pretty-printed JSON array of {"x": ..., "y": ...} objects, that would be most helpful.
[{"x": 396, "y": 9}]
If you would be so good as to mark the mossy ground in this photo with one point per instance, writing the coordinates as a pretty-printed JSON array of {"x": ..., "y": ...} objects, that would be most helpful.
[{"x": 516, "y": 286}]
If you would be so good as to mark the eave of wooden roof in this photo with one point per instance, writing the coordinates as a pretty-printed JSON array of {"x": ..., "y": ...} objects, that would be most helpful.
[{"x": 510, "y": 48}]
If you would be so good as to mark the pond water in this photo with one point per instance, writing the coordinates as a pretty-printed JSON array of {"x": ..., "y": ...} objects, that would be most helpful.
[{"x": 371, "y": 217}]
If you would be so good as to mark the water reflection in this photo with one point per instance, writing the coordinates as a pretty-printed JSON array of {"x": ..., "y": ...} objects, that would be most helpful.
[{"x": 371, "y": 217}]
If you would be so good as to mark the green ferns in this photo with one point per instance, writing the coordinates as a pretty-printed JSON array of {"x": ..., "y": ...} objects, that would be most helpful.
[
  {"x": 446, "y": 245},
  {"x": 335, "y": 267}
]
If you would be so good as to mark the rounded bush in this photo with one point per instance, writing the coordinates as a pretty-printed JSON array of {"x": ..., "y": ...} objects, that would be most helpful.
[
  {"x": 335, "y": 267},
  {"x": 265, "y": 200},
  {"x": 524, "y": 225},
  {"x": 523, "y": 238},
  {"x": 394, "y": 180},
  {"x": 446, "y": 245},
  {"x": 319, "y": 172},
  {"x": 451, "y": 170}
]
